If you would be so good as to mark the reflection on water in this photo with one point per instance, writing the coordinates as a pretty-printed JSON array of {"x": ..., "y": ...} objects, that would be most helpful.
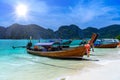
[{"x": 16, "y": 64}]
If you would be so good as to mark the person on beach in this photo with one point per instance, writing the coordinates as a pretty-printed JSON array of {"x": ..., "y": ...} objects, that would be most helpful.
[
  {"x": 29, "y": 45},
  {"x": 36, "y": 48}
]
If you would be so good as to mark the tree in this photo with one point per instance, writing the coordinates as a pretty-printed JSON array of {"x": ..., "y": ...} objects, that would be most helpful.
[{"x": 118, "y": 37}]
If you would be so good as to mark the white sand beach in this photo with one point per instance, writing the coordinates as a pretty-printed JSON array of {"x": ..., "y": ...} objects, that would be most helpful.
[
  {"x": 108, "y": 71},
  {"x": 108, "y": 68}
]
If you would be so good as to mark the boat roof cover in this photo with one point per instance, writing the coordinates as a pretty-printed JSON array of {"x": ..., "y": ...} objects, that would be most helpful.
[{"x": 44, "y": 44}]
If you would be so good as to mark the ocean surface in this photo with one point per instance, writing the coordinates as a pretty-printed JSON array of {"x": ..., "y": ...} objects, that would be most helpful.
[{"x": 17, "y": 64}]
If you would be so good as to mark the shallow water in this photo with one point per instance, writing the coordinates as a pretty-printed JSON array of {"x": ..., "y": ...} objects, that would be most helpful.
[{"x": 16, "y": 64}]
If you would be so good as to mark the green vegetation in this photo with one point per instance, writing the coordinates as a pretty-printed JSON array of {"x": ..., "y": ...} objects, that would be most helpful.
[
  {"x": 69, "y": 32},
  {"x": 118, "y": 37},
  {"x": 17, "y": 31}
]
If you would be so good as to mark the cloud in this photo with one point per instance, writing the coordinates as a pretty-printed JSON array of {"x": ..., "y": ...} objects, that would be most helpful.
[
  {"x": 84, "y": 13},
  {"x": 94, "y": 13},
  {"x": 90, "y": 11}
]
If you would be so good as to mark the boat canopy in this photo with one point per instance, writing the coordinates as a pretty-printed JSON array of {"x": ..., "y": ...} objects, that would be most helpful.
[
  {"x": 48, "y": 44},
  {"x": 106, "y": 41},
  {"x": 110, "y": 40},
  {"x": 44, "y": 44}
]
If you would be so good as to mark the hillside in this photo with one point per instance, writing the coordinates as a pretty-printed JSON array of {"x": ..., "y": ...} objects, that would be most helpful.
[
  {"x": 2, "y": 32},
  {"x": 18, "y": 31},
  {"x": 88, "y": 31},
  {"x": 69, "y": 32},
  {"x": 110, "y": 31}
]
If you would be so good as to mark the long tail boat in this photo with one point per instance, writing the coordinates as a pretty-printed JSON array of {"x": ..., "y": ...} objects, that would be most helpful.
[
  {"x": 112, "y": 45},
  {"x": 67, "y": 53},
  {"x": 107, "y": 43},
  {"x": 66, "y": 44}
]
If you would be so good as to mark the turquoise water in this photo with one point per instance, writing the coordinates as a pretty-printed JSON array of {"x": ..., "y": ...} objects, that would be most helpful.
[{"x": 17, "y": 64}]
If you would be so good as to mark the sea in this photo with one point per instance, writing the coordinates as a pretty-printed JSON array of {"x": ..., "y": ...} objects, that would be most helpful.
[{"x": 17, "y": 64}]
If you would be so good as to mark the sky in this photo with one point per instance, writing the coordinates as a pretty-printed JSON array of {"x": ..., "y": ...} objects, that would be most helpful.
[{"x": 55, "y": 13}]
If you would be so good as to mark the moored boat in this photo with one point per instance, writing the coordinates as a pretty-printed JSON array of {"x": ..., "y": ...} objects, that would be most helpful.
[
  {"x": 66, "y": 44},
  {"x": 106, "y": 43},
  {"x": 62, "y": 53}
]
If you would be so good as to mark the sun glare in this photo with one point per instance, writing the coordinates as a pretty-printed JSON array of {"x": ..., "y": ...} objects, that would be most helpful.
[{"x": 21, "y": 10}]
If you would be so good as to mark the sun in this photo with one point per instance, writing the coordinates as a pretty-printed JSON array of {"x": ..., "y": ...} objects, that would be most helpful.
[{"x": 21, "y": 10}]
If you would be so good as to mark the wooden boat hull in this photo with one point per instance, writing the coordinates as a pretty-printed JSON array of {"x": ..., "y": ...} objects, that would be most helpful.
[
  {"x": 114, "y": 45},
  {"x": 74, "y": 52}
]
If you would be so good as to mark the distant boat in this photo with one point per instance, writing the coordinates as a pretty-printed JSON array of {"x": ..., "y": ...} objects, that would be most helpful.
[
  {"x": 61, "y": 53},
  {"x": 106, "y": 43},
  {"x": 66, "y": 43}
]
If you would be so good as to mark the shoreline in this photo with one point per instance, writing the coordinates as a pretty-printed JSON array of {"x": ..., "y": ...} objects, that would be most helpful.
[{"x": 108, "y": 71}]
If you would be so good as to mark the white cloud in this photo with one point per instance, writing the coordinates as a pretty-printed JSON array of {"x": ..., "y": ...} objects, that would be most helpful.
[
  {"x": 90, "y": 13},
  {"x": 94, "y": 13}
]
